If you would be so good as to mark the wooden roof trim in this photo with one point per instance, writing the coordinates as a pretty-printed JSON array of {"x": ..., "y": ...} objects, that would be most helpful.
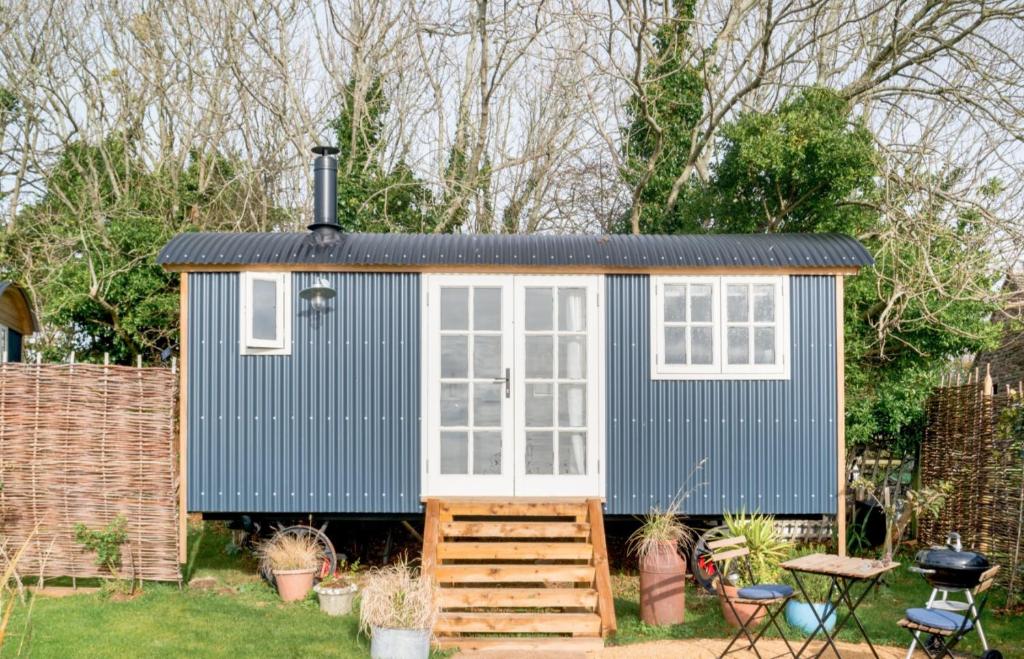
[{"x": 514, "y": 269}]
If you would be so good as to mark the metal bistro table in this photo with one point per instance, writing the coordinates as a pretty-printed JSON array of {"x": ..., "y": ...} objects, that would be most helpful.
[{"x": 845, "y": 572}]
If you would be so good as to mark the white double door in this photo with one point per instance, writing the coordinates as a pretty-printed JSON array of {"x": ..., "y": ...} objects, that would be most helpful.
[{"x": 512, "y": 385}]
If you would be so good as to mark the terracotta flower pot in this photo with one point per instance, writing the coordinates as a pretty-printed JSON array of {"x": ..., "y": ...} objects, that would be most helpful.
[
  {"x": 662, "y": 581},
  {"x": 747, "y": 612},
  {"x": 294, "y": 585}
]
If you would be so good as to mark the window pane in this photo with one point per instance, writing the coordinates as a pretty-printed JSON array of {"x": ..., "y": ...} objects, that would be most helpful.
[
  {"x": 736, "y": 302},
  {"x": 487, "y": 404},
  {"x": 572, "y": 357},
  {"x": 540, "y": 454},
  {"x": 675, "y": 345},
  {"x": 572, "y": 405},
  {"x": 454, "y": 404},
  {"x": 454, "y": 453},
  {"x": 540, "y": 357},
  {"x": 454, "y": 308},
  {"x": 572, "y": 309},
  {"x": 454, "y": 357},
  {"x": 675, "y": 302},
  {"x": 700, "y": 303},
  {"x": 487, "y": 357},
  {"x": 540, "y": 405},
  {"x": 264, "y": 310},
  {"x": 764, "y": 345},
  {"x": 701, "y": 346},
  {"x": 487, "y": 308},
  {"x": 487, "y": 452},
  {"x": 764, "y": 303},
  {"x": 739, "y": 345},
  {"x": 572, "y": 453},
  {"x": 539, "y": 306}
]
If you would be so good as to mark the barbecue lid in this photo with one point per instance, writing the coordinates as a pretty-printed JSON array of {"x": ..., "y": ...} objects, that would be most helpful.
[{"x": 943, "y": 557}]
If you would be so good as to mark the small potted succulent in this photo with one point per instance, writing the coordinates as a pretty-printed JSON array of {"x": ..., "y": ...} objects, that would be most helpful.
[
  {"x": 767, "y": 550},
  {"x": 337, "y": 591},
  {"x": 398, "y": 610},
  {"x": 293, "y": 560},
  {"x": 656, "y": 544},
  {"x": 798, "y": 610}
]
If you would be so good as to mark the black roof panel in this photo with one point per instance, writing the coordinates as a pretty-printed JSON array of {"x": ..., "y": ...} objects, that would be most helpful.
[{"x": 781, "y": 250}]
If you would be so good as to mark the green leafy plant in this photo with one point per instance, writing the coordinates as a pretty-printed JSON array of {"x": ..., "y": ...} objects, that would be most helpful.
[
  {"x": 815, "y": 585},
  {"x": 344, "y": 576},
  {"x": 767, "y": 548},
  {"x": 105, "y": 542},
  {"x": 921, "y": 503},
  {"x": 663, "y": 527}
]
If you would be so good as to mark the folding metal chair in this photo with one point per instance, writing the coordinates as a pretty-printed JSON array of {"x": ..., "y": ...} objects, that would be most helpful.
[
  {"x": 770, "y": 597},
  {"x": 947, "y": 628}
]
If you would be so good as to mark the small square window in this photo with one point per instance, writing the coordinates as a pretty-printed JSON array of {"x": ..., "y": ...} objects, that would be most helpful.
[
  {"x": 719, "y": 327},
  {"x": 265, "y": 313}
]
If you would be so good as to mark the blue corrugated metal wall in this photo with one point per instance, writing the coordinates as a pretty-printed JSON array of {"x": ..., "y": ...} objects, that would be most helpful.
[
  {"x": 334, "y": 427},
  {"x": 770, "y": 444}
]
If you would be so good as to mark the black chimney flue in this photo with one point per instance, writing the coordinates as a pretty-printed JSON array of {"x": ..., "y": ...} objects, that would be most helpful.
[{"x": 325, "y": 225}]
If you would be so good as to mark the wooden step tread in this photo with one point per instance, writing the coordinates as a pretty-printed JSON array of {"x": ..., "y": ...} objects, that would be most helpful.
[
  {"x": 577, "y": 645},
  {"x": 485, "y": 573},
  {"x": 516, "y": 508},
  {"x": 531, "y": 529},
  {"x": 514, "y": 598},
  {"x": 520, "y": 623},
  {"x": 554, "y": 551}
]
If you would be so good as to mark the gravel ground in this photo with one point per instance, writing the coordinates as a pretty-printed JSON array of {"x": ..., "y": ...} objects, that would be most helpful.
[{"x": 698, "y": 649}]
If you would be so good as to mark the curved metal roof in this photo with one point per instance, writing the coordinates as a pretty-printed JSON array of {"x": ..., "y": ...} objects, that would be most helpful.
[{"x": 780, "y": 250}]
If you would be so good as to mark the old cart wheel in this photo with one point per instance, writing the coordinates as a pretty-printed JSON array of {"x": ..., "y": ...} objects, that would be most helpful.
[
  {"x": 329, "y": 558},
  {"x": 701, "y": 566}
]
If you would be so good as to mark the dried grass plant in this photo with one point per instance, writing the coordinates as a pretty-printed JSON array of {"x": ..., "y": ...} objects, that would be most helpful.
[
  {"x": 660, "y": 528},
  {"x": 397, "y": 597},
  {"x": 289, "y": 552}
]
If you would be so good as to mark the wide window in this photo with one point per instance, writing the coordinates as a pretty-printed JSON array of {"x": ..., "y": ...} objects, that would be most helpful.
[
  {"x": 719, "y": 327},
  {"x": 265, "y": 313}
]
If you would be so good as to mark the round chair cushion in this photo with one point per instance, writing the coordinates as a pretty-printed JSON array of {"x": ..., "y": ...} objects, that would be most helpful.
[
  {"x": 938, "y": 619},
  {"x": 766, "y": 591}
]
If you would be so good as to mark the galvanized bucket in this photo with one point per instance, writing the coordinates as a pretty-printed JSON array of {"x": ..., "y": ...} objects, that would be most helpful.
[{"x": 400, "y": 643}]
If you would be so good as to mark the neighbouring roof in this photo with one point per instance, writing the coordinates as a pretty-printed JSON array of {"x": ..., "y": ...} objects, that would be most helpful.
[
  {"x": 29, "y": 322},
  {"x": 782, "y": 250}
]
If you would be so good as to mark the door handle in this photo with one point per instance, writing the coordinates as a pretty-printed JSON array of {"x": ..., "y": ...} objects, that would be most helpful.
[{"x": 508, "y": 382}]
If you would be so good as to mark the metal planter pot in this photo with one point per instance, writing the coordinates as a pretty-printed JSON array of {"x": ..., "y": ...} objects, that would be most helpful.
[
  {"x": 400, "y": 643},
  {"x": 336, "y": 601}
]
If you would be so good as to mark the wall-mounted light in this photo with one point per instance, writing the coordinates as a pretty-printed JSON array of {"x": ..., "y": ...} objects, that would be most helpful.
[{"x": 318, "y": 295}]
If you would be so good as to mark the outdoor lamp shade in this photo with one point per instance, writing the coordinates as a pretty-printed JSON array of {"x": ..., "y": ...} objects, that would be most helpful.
[{"x": 319, "y": 294}]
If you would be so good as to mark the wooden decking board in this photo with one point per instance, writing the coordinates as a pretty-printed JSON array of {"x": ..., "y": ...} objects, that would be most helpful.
[
  {"x": 499, "y": 644},
  {"x": 515, "y": 550},
  {"x": 536, "y": 623},
  {"x": 514, "y": 573},
  {"x": 465, "y": 598},
  {"x": 514, "y": 530}
]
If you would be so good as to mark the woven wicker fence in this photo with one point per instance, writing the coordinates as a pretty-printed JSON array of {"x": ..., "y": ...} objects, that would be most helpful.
[
  {"x": 969, "y": 443},
  {"x": 83, "y": 444}
]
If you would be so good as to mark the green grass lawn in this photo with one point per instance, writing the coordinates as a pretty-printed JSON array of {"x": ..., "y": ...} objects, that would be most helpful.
[{"x": 238, "y": 615}]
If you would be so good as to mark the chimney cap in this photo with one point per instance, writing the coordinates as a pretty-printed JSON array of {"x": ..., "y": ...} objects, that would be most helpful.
[{"x": 324, "y": 150}]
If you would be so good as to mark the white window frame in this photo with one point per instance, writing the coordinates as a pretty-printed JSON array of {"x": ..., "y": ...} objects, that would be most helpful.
[
  {"x": 4, "y": 338},
  {"x": 249, "y": 345},
  {"x": 719, "y": 369}
]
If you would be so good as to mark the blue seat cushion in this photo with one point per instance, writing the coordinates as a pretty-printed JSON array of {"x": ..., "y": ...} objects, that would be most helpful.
[
  {"x": 765, "y": 591},
  {"x": 938, "y": 619}
]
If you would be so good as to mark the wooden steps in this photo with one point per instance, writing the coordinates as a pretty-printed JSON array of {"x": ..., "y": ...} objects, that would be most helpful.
[{"x": 534, "y": 569}]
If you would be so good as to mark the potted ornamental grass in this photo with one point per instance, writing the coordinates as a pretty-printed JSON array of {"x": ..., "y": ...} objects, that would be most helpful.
[
  {"x": 293, "y": 560},
  {"x": 767, "y": 551},
  {"x": 337, "y": 591},
  {"x": 816, "y": 586},
  {"x": 656, "y": 544},
  {"x": 397, "y": 610}
]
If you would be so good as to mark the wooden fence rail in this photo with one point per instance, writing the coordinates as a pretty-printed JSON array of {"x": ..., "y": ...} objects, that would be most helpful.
[{"x": 82, "y": 443}]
